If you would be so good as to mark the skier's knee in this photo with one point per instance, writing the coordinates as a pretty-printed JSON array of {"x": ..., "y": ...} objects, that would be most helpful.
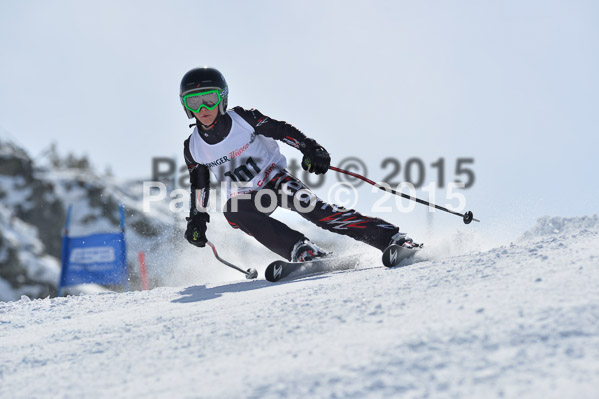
[
  {"x": 233, "y": 225},
  {"x": 234, "y": 212},
  {"x": 232, "y": 217}
]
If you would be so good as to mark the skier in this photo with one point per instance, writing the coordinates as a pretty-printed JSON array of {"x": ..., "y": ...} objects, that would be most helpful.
[{"x": 239, "y": 147}]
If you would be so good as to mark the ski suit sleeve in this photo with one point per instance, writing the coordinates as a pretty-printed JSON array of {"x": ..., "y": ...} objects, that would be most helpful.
[
  {"x": 278, "y": 130},
  {"x": 199, "y": 178}
]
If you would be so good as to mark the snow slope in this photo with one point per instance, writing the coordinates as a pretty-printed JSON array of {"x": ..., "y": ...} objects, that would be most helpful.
[{"x": 520, "y": 320}]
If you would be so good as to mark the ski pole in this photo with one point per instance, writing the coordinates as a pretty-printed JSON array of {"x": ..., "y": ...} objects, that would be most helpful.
[
  {"x": 466, "y": 217},
  {"x": 250, "y": 274}
]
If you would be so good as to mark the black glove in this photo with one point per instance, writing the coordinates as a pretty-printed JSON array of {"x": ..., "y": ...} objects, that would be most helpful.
[
  {"x": 316, "y": 160},
  {"x": 196, "y": 228}
]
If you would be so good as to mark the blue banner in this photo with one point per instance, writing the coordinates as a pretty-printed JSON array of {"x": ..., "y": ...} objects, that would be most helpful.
[{"x": 97, "y": 258}]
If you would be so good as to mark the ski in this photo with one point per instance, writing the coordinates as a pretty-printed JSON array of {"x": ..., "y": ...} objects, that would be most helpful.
[
  {"x": 281, "y": 269},
  {"x": 393, "y": 255}
]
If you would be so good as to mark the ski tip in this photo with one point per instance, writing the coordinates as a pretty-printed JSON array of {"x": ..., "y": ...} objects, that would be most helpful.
[
  {"x": 390, "y": 255},
  {"x": 274, "y": 271},
  {"x": 394, "y": 254}
]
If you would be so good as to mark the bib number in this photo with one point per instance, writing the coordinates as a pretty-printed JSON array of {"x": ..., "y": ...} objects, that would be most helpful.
[{"x": 243, "y": 173}]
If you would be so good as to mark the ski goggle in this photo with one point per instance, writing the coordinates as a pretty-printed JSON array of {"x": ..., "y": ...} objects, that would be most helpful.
[{"x": 207, "y": 99}]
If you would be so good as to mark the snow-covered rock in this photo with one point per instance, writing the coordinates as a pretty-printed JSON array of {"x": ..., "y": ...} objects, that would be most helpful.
[
  {"x": 25, "y": 268},
  {"x": 34, "y": 197}
]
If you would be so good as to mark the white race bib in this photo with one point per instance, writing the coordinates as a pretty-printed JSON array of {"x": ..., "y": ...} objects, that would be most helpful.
[{"x": 245, "y": 158}]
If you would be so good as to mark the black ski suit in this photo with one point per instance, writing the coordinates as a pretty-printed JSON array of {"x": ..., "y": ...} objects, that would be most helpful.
[{"x": 273, "y": 234}]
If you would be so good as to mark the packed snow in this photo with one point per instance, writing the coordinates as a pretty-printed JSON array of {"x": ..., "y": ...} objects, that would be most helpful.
[{"x": 518, "y": 320}]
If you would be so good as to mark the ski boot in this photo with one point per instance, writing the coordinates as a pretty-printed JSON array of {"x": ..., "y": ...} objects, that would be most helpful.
[
  {"x": 404, "y": 241},
  {"x": 401, "y": 247},
  {"x": 305, "y": 250}
]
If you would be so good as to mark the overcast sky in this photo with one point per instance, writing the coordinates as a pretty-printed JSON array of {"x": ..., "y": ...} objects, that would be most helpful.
[{"x": 512, "y": 84}]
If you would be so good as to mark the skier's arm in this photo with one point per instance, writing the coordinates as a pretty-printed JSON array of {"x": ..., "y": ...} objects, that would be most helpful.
[
  {"x": 199, "y": 177},
  {"x": 278, "y": 130},
  {"x": 316, "y": 158}
]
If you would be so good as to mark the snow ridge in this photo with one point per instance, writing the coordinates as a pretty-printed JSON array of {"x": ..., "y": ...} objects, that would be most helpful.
[{"x": 559, "y": 225}]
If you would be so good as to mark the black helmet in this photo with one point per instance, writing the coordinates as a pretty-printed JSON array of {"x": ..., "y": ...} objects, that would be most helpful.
[{"x": 201, "y": 79}]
